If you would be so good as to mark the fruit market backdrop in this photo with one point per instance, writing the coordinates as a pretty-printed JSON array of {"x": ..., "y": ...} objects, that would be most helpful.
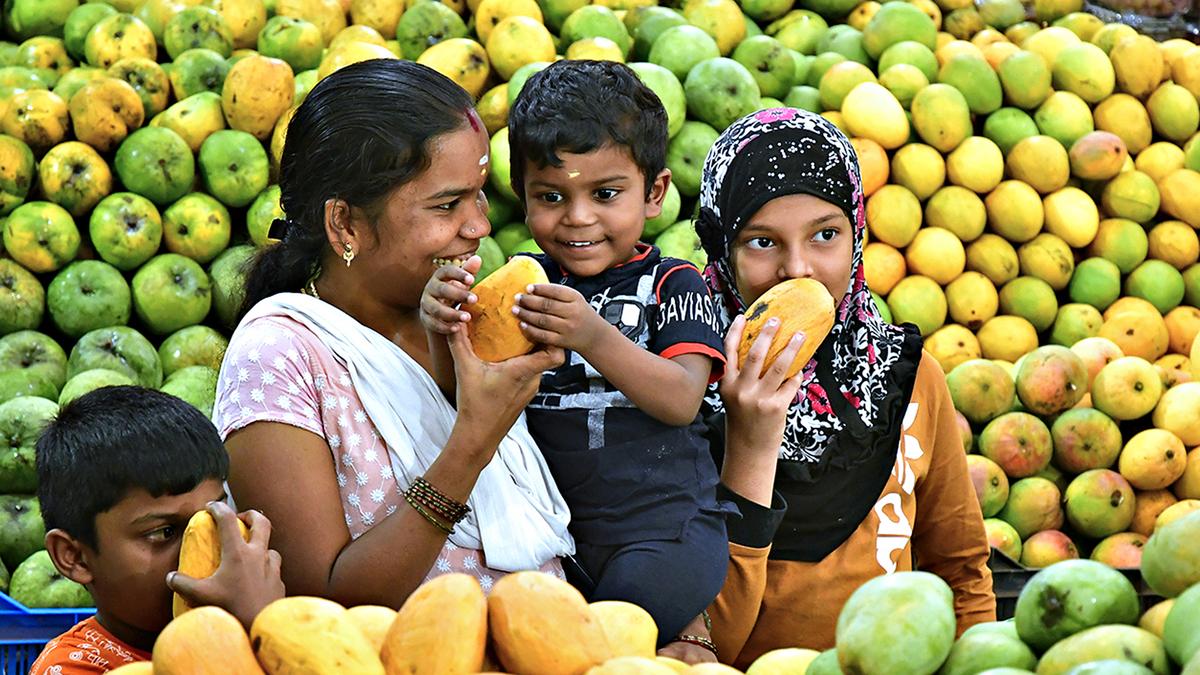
[{"x": 1032, "y": 172}]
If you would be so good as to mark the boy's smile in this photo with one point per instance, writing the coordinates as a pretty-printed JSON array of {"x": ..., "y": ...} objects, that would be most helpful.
[{"x": 588, "y": 213}]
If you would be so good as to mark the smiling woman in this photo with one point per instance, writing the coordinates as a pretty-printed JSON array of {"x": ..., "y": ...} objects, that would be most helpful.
[{"x": 373, "y": 481}]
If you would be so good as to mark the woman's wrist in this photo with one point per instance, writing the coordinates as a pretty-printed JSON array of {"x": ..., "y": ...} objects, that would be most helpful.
[
  {"x": 468, "y": 446},
  {"x": 749, "y": 465}
]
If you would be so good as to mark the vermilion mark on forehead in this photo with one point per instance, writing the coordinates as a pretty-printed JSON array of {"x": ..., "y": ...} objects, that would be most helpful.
[{"x": 473, "y": 118}]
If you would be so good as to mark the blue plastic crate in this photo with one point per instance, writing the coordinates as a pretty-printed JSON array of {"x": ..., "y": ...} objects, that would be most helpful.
[{"x": 24, "y": 631}]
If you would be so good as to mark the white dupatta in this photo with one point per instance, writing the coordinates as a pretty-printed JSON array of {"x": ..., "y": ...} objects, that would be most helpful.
[{"x": 518, "y": 517}]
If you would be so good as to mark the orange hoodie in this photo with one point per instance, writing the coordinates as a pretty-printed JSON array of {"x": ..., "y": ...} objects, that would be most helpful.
[{"x": 927, "y": 518}]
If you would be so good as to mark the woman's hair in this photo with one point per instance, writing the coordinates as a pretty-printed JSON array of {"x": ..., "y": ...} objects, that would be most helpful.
[{"x": 361, "y": 133}]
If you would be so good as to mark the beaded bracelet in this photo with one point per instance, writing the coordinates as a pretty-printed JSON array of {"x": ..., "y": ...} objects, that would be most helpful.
[
  {"x": 434, "y": 521},
  {"x": 449, "y": 509},
  {"x": 699, "y": 641}
]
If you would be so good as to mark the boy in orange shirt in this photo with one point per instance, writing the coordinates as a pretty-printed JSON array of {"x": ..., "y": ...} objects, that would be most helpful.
[{"x": 121, "y": 471}]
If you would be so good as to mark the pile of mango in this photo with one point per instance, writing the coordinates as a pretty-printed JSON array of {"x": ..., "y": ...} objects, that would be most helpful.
[
  {"x": 1075, "y": 617},
  {"x": 1032, "y": 178}
]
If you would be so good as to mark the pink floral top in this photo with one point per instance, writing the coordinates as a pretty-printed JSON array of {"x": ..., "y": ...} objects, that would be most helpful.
[{"x": 276, "y": 370}]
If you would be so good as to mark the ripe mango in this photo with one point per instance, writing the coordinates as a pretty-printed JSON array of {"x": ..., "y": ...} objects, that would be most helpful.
[
  {"x": 310, "y": 635},
  {"x": 256, "y": 92},
  {"x": 802, "y": 306},
  {"x": 207, "y": 641},
  {"x": 442, "y": 628},
  {"x": 941, "y": 116},
  {"x": 1139, "y": 65}
]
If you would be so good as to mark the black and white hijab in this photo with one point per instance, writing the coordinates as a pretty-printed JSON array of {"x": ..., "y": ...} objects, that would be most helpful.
[{"x": 856, "y": 387}]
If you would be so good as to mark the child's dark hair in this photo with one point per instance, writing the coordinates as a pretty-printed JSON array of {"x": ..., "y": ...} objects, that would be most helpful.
[
  {"x": 116, "y": 439},
  {"x": 361, "y": 133},
  {"x": 580, "y": 106}
]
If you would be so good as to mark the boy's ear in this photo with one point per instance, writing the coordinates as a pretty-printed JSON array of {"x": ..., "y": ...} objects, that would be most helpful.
[
  {"x": 658, "y": 192},
  {"x": 69, "y": 556}
]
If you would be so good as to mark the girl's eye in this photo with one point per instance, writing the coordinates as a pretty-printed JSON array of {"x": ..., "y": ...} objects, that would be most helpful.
[
  {"x": 607, "y": 194},
  {"x": 826, "y": 235},
  {"x": 165, "y": 533},
  {"x": 448, "y": 206},
  {"x": 551, "y": 198},
  {"x": 759, "y": 243}
]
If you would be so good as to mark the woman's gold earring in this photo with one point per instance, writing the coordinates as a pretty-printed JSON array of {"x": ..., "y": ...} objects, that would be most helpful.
[{"x": 347, "y": 253}]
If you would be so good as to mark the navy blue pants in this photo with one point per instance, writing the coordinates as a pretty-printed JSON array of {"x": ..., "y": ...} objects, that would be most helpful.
[{"x": 674, "y": 580}]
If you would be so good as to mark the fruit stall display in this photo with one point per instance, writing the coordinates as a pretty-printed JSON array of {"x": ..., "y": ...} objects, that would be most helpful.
[
  {"x": 1032, "y": 180},
  {"x": 1076, "y": 617}
]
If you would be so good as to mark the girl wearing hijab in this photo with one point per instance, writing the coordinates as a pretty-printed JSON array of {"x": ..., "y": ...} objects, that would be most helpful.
[{"x": 854, "y": 468}]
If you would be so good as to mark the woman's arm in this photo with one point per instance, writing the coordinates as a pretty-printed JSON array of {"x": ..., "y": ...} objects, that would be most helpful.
[
  {"x": 756, "y": 405},
  {"x": 289, "y": 475},
  {"x": 949, "y": 539}
]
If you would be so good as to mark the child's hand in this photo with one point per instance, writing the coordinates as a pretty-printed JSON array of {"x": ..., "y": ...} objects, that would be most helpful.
[
  {"x": 247, "y": 578},
  {"x": 559, "y": 316},
  {"x": 448, "y": 288}
]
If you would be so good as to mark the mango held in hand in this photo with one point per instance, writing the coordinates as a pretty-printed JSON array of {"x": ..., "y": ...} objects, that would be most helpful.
[
  {"x": 200, "y": 552},
  {"x": 800, "y": 305},
  {"x": 495, "y": 332},
  {"x": 541, "y": 624}
]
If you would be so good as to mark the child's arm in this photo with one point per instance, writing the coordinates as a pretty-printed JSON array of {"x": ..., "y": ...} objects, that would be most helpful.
[
  {"x": 668, "y": 389},
  {"x": 447, "y": 289},
  {"x": 247, "y": 578}
]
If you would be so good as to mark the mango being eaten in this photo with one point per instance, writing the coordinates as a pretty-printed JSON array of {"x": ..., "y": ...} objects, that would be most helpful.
[{"x": 801, "y": 305}]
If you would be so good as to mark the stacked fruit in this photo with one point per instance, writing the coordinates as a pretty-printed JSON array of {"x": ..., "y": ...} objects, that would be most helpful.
[
  {"x": 530, "y": 622},
  {"x": 1075, "y": 617},
  {"x": 1018, "y": 183}
]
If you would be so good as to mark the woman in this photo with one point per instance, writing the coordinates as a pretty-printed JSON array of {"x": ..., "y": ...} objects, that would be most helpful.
[
  {"x": 335, "y": 429},
  {"x": 853, "y": 468}
]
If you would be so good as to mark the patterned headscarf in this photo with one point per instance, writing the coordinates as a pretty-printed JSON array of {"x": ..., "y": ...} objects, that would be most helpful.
[{"x": 779, "y": 152}]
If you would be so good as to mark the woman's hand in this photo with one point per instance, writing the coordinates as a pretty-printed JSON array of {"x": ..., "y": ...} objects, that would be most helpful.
[
  {"x": 447, "y": 290},
  {"x": 491, "y": 396},
  {"x": 247, "y": 578},
  {"x": 756, "y": 400}
]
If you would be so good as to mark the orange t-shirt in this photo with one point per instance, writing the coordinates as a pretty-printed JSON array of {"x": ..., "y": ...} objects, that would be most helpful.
[{"x": 85, "y": 649}]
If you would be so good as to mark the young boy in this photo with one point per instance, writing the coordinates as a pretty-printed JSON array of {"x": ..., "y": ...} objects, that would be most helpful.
[
  {"x": 618, "y": 421},
  {"x": 121, "y": 471}
]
